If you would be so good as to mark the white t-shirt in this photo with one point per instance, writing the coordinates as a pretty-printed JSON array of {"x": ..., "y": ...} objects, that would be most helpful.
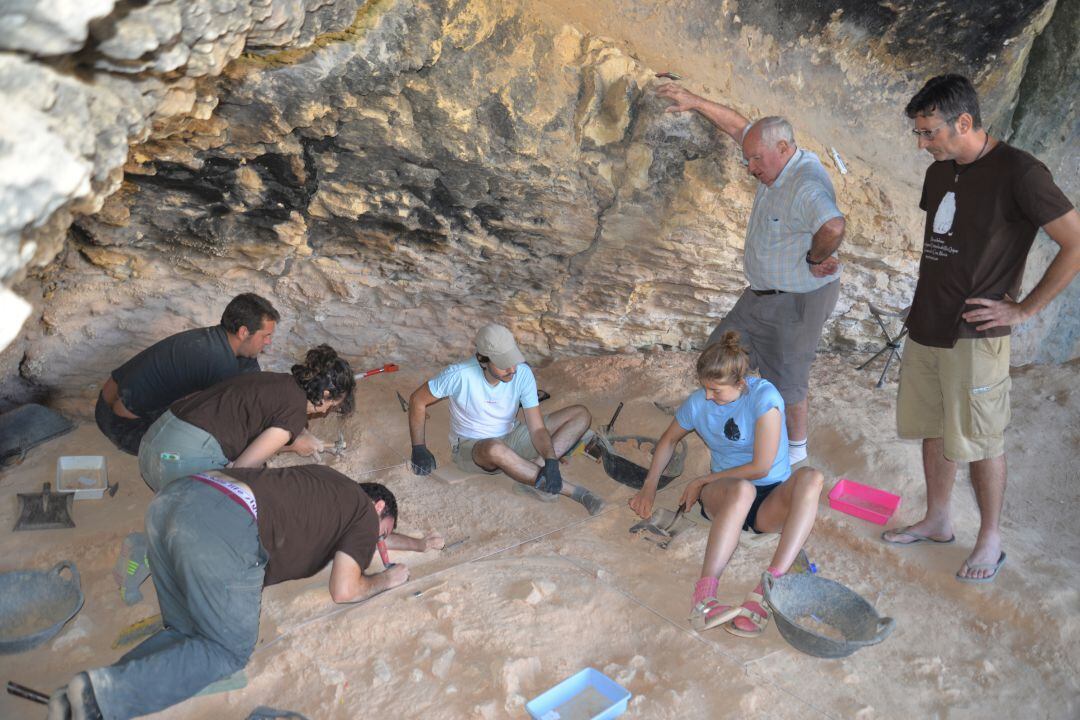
[{"x": 478, "y": 410}]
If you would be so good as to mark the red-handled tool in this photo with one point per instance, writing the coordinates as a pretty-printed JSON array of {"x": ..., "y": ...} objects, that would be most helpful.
[
  {"x": 384, "y": 554},
  {"x": 387, "y": 368}
]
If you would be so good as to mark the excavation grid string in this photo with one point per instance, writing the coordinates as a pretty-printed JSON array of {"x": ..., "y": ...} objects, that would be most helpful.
[{"x": 536, "y": 539}]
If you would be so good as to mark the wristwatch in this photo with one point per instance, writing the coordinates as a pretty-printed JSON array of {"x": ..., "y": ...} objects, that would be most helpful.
[{"x": 810, "y": 261}]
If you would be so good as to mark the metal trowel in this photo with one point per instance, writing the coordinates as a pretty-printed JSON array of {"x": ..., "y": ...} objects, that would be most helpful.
[
  {"x": 674, "y": 521},
  {"x": 663, "y": 523}
]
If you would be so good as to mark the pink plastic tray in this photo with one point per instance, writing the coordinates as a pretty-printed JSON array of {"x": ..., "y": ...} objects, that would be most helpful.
[{"x": 863, "y": 501}]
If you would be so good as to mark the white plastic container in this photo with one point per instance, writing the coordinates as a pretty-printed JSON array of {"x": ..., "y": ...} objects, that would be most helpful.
[{"x": 86, "y": 476}]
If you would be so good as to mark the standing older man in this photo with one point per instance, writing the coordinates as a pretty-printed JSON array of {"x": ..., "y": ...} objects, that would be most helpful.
[
  {"x": 793, "y": 233},
  {"x": 984, "y": 202}
]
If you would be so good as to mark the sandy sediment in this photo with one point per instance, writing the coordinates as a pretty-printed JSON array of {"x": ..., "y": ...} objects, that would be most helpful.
[{"x": 540, "y": 590}]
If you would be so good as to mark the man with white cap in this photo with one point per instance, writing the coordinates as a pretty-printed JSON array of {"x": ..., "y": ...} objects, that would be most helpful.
[{"x": 485, "y": 436}]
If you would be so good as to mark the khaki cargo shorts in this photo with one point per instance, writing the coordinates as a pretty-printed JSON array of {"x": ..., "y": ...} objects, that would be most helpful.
[
  {"x": 959, "y": 394},
  {"x": 517, "y": 440}
]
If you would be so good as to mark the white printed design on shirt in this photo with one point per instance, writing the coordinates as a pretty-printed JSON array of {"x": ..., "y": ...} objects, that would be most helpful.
[
  {"x": 946, "y": 211},
  {"x": 938, "y": 245}
]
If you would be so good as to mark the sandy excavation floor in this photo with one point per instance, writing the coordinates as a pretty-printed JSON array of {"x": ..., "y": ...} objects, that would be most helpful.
[{"x": 540, "y": 590}]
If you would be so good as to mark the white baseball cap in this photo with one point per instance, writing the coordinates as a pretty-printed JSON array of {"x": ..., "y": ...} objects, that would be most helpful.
[{"x": 497, "y": 343}]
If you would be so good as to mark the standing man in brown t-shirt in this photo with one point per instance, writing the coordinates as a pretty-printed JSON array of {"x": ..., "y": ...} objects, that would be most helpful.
[{"x": 984, "y": 203}]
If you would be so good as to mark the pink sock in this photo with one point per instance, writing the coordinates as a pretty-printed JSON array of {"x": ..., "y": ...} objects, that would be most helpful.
[
  {"x": 756, "y": 607},
  {"x": 705, "y": 588},
  {"x": 744, "y": 623}
]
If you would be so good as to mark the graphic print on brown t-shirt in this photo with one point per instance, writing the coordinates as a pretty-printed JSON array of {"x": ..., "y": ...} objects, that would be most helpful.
[
  {"x": 237, "y": 410},
  {"x": 980, "y": 224}
]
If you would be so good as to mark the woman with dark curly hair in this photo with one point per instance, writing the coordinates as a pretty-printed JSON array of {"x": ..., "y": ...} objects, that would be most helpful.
[{"x": 241, "y": 422}]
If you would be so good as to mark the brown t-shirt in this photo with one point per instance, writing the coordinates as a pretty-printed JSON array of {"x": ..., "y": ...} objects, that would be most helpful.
[
  {"x": 237, "y": 410},
  {"x": 306, "y": 514},
  {"x": 980, "y": 225}
]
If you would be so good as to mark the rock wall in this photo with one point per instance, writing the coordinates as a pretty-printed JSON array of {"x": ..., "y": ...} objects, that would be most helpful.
[
  {"x": 1047, "y": 123},
  {"x": 403, "y": 171}
]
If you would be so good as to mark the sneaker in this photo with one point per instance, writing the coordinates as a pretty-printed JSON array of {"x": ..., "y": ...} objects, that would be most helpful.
[
  {"x": 59, "y": 707},
  {"x": 80, "y": 694},
  {"x": 132, "y": 567},
  {"x": 593, "y": 503}
]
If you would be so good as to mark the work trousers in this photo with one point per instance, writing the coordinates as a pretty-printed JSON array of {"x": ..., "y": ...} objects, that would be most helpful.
[{"x": 208, "y": 569}]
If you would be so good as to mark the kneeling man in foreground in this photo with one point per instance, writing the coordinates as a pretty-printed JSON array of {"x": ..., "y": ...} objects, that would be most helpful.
[{"x": 215, "y": 540}]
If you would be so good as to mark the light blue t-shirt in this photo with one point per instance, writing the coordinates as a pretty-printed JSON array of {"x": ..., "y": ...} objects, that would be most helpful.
[
  {"x": 728, "y": 430},
  {"x": 479, "y": 410}
]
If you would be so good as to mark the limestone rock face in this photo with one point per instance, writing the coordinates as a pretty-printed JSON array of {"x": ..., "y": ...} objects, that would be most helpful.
[
  {"x": 67, "y": 123},
  {"x": 1047, "y": 123},
  {"x": 393, "y": 174},
  {"x": 80, "y": 82},
  {"x": 53, "y": 28}
]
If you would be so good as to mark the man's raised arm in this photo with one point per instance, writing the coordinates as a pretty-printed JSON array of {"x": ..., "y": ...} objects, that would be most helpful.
[{"x": 719, "y": 115}]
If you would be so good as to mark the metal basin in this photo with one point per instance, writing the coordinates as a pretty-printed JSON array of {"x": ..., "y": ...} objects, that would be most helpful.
[{"x": 34, "y": 605}]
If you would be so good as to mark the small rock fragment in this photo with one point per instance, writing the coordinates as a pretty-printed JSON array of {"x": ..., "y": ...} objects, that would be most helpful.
[{"x": 441, "y": 667}]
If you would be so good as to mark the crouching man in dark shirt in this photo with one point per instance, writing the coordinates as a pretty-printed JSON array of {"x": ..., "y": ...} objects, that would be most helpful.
[
  {"x": 144, "y": 387},
  {"x": 215, "y": 540}
]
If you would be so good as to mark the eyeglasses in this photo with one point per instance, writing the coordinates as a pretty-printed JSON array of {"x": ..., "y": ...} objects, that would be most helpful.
[{"x": 927, "y": 134}]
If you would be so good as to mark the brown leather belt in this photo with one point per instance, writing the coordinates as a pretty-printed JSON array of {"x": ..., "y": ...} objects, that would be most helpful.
[{"x": 759, "y": 293}]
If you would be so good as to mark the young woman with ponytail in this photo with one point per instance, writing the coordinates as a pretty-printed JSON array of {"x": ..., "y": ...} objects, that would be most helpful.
[{"x": 750, "y": 487}]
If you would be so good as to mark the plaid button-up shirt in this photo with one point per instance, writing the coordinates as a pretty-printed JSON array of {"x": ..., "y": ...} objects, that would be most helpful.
[{"x": 783, "y": 222}]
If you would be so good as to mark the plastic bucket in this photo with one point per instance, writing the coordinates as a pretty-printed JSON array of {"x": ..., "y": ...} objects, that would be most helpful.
[
  {"x": 798, "y": 596},
  {"x": 34, "y": 605}
]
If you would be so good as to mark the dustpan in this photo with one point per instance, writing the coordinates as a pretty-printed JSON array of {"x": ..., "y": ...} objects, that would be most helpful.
[{"x": 45, "y": 510}]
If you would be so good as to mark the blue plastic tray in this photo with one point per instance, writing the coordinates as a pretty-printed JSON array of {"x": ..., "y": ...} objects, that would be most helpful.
[{"x": 589, "y": 684}]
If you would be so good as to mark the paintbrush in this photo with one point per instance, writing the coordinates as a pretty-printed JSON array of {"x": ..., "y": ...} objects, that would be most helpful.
[
  {"x": 455, "y": 543},
  {"x": 421, "y": 593}
]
